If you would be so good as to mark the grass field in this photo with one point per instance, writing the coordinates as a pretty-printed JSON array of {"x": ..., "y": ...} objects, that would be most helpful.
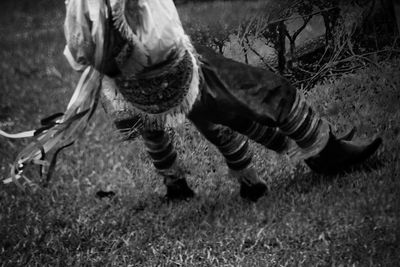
[{"x": 305, "y": 220}]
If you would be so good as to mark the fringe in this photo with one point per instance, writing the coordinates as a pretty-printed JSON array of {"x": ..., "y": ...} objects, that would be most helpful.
[
  {"x": 121, "y": 109},
  {"x": 122, "y": 25},
  {"x": 177, "y": 115}
]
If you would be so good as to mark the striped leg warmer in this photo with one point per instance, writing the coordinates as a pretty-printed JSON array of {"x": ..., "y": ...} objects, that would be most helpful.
[
  {"x": 269, "y": 137},
  {"x": 235, "y": 149},
  {"x": 233, "y": 146},
  {"x": 163, "y": 154},
  {"x": 164, "y": 157},
  {"x": 238, "y": 156},
  {"x": 160, "y": 149},
  {"x": 306, "y": 128}
]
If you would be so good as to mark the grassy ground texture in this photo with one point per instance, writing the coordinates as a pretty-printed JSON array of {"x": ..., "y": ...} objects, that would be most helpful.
[{"x": 305, "y": 220}]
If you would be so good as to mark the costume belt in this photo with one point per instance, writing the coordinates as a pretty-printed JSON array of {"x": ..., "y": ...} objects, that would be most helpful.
[
  {"x": 158, "y": 96},
  {"x": 160, "y": 88}
]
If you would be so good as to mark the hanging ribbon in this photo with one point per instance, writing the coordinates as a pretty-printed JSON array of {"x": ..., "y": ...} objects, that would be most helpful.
[{"x": 57, "y": 134}]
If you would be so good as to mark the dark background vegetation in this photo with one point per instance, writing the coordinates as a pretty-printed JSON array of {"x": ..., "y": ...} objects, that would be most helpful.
[{"x": 344, "y": 55}]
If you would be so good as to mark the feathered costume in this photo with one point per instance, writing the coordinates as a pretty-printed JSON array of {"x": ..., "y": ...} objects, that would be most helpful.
[{"x": 136, "y": 55}]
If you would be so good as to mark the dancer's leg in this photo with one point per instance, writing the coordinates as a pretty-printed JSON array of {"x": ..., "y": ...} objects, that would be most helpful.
[
  {"x": 233, "y": 89},
  {"x": 164, "y": 156}
]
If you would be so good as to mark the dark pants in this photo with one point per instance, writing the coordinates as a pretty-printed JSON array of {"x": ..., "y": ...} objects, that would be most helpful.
[{"x": 236, "y": 100}]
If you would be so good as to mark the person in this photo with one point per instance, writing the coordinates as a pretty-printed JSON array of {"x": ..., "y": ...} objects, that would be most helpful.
[{"x": 152, "y": 77}]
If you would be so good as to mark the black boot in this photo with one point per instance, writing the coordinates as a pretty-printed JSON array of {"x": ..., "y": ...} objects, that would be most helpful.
[
  {"x": 322, "y": 151},
  {"x": 253, "y": 192},
  {"x": 178, "y": 189},
  {"x": 175, "y": 181},
  {"x": 251, "y": 186},
  {"x": 340, "y": 155}
]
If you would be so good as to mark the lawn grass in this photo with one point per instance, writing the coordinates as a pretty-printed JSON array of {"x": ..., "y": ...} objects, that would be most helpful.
[{"x": 305, "y": 220}]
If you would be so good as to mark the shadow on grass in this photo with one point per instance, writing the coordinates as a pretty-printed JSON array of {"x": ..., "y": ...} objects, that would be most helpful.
[{"x": 304, "y": 182}]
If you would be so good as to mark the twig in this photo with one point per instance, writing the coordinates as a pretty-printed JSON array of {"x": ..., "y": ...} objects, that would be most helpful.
[
  {"x": 323, "y": 55},
  {"x": 261, "y": 57},
  {"x": 304, "y": 70},
  {"x": 392, "y": 48},
  {"x": 302, "y": 16},
  {"x": 333, "y": 62}
]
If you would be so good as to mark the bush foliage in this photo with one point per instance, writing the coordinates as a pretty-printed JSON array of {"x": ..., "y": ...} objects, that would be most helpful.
[{"x": 348, "y": 27}]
